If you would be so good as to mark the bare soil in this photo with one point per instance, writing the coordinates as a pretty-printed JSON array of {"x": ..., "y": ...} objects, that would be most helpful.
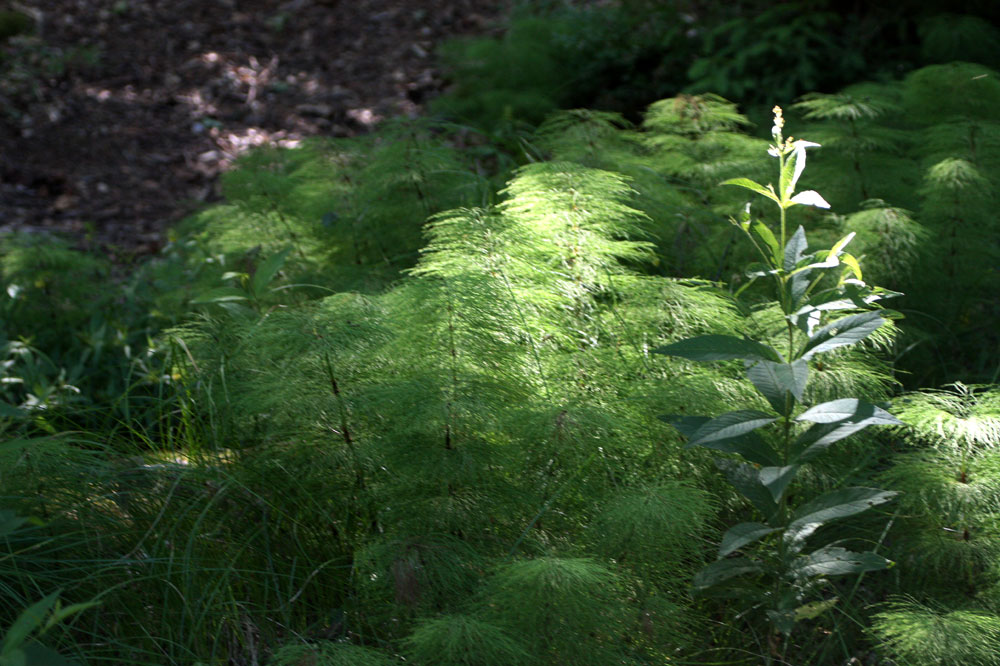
[{"x": 117, "y": 116}]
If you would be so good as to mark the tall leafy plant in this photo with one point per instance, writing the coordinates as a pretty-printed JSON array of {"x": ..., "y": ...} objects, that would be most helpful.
[{"x": 770, "y": 563}]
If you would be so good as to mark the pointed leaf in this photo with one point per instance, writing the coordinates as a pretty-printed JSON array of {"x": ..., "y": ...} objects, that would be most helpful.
[
  {"x": 819, "y": 437},
  {"x": 797, "y": 286},
  {"x": 776, "y": 479},
  {"x": 267, "y": 270},
  {"x": 795, "y": 537},
  {"x": 685, "y": 425},
  {"x": 749, "y": 445},
  {"x": 852, "y": 264},
  {"x": 719, "y": 348},
  {"x": 740, "y": 535},
  {"x": 838, "y": 247},
  {"x": 766, "y": 237},
  {"x": 798, "y": 161},
  {"x": 752, "y": 186},
  {"x": 810, "y": 198},
  {"x": 839, "y": 504},
  {"x": 30, "y": 619},
  {"x": 846, "y": 331},
  {"x": 826, "y": 260},
  {"x": 722, "y": 570},
  {"x": 60, "y": 614},
  {"x": 744, "y": 478},
  {"x": 795, "y": 248},
  {"x": 776, "y": 381},
  {"x": 730, "y": 425},
  {"x": 785, "y": 184},
  {"x": 829, "y": 258},
  {"x": 221, "y": 295},
  {"x": 834, "y": 561},
  {"x": 848, "y": 409}
]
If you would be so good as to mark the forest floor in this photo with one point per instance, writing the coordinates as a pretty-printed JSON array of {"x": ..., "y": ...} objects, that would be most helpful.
[{"x": 117, "y": 118}]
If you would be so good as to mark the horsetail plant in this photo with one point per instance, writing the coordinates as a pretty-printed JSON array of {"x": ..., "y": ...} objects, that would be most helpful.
[{"x": 781, "y": 576}]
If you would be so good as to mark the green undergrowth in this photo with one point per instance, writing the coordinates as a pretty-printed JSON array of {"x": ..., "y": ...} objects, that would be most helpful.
[
  {"x": 622, "y": 55},
  {"x": 395, "y": 398}
]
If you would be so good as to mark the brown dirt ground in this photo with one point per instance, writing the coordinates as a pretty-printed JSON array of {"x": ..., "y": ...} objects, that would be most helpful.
[{"x": 111, "y": 152}]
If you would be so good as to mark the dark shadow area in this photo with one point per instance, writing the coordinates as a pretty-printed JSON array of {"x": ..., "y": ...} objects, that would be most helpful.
[{"x": 117, "y": 116}]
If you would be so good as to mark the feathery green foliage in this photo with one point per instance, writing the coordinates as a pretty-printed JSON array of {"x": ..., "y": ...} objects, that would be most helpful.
[
  {"x": 922, "y": 635},
  {"x": 928, "y": 146},
  {"x": 458, "y": 640},
  {"x": 395, "y": 414}
]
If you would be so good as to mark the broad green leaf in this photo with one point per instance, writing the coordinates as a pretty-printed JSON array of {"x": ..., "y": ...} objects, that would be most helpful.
[
  {"x": 776, "y": 381},
  {"x": 221, "y": 295},
  {"x": 794, "y": 249},
  {"x": 730, "y": 425},
  {"x": 848, "y": 409},
  {"x": 819, "y": 437},
  {"x": 835, "y": 561},
  {"x": 30, "y": 619},
  {"x": 795, "y": 537},
  {"x": 722, "y": 570},
  {"x": 752, "y": 186},
  {"x": 797, "y": 286},
  {"x": 740, "y": 535},
  {"x": 719, "y": 348},
  {"x": 685, "y": 425},
  {"x": 839, "y": 504},
  {"x": 267, "y": 270},
  {"x": 776, "y": 479},
  {"x": 750, "y": 445},
  {"x": 846, "y": 331},
  {"x": 745, "y": 479}
]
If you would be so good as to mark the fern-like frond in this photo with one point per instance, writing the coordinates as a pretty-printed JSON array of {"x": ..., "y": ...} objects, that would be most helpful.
[
  {"x": 866, "y": 101},
  {"x": 959, "y": 418},
  {"x": 463, "y": 640},
  {"x": 888, "y": 242},
  {"x": 920, "y": 635},
  {"x": 653, "y": 529},
  {"x": 693, "y": 115},
  {"x": 958, "y": 90}
]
